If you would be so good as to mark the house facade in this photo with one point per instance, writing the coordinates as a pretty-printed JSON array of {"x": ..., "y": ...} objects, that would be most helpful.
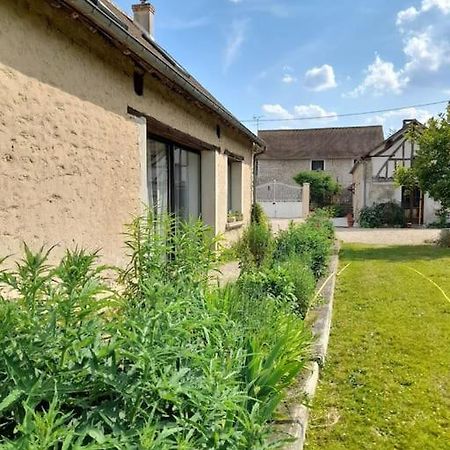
[
  {"x": 97, "y": 120},
  {"x": 373, "y": 178},
  {"x": 333, "y": 150}
]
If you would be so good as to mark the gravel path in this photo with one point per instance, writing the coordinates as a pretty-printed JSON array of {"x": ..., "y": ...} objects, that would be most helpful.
[
  {"x": 382, "y": 236},
  {"x": 387, "y": 236}
]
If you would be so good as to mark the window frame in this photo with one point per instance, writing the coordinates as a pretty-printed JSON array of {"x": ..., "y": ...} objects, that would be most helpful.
[
  {"x": 231, "y": 160},
  {"x": 171, "y": 145},
  {"x": 315, "y": 161}
]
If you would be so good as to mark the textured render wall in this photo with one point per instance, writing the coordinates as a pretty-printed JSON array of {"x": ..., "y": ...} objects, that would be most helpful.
[
  {"x": 358, "y": 196},
  {"x": 69, "y": 153},
  {"x": 284, "y": 170}
]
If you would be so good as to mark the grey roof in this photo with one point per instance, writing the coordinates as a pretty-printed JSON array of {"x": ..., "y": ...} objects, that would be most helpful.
[{"x": 321, "y": 143}]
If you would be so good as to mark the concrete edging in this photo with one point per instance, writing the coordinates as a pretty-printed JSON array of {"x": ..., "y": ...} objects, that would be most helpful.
[{"x": 299, "y": 414}]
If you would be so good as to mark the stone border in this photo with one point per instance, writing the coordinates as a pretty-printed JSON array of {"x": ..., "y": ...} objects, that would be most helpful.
[{"x": 299, "y": 413}]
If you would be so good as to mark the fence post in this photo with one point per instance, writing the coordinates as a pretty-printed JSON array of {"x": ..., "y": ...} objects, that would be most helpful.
[{"x": 305, "y": 199}]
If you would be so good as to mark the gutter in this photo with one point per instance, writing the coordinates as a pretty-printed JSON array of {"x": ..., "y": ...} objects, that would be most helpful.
[{"x": 90, "y": 9}]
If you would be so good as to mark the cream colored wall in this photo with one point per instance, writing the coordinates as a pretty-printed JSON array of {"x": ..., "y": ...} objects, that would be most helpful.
[
  {"x": 70, "y": 154},
  {"x": 379, "y": 161},
  {"x": 284, "y": 170}
]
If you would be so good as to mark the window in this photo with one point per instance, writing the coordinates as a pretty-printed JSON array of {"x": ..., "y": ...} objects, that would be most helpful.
[
  {"x": 234, "y": 185},
  {"x": 318, "y": 164},
  {"x": 173, "y": 177}
]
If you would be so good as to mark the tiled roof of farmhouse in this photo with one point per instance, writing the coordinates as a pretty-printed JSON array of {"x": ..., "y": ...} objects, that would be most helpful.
[{"x": 321, "y": 143}]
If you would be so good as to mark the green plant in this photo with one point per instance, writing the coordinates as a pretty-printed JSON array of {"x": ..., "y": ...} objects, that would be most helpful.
[
  {"x": 444, "y": 238},
  {"x": 165, "y": 361},
  {"x": 258, "y": 216},
  {"x": 382, "y": 214},
  {"x": 311, "y": 241},
  {"x": 432, "y": 162},
  {"x": 256, "y": 246},
  {"x": 303, "y": 282},
  {"x": 322, "y": 186}
]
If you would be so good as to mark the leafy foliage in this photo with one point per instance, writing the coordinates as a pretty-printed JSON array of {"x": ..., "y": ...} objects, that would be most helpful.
[
  {"x": 256, "y": 246},
  {"x": 432, "y": 163},
  {"x": 406, "y": 177},
  {"x": 322, "y": 186},
  {"x": 312, "y": 241},
  {"x": 382, "y": 214},
  {"x": 259, "y": 216},
  {"x": 444, "y": 238},
  {"x": 163, "y": 361}
]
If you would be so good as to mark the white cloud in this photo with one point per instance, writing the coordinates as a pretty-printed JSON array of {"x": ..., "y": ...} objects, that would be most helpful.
[
  {"x": 411, "y": 13},
  {"x": 288, "y": 78},
  {"x": 407, "y": 15},
  {"x": 308, "y": 114},
  {"x": 236, "y": 39},
  {"x": 313, "y": 111},
  {"x": 277, "y": 111},
  {"x": 381, "y": 77},
  {"x": 320, "y": 78},
  {"x": 424, "y": 53},
  {"x": 442, "y": 5}
]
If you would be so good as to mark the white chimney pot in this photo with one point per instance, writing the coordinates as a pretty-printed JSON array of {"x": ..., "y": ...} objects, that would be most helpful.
[{"x": 144, "y": 14}]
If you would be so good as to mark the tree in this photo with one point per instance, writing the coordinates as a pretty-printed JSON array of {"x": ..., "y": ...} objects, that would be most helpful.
[
  {"x": 322, "y": 186},
  {"x": 432, "y": 163}
]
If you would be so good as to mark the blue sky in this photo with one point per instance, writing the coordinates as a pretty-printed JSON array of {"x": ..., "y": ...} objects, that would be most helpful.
[{"x": 284, "y": 59}]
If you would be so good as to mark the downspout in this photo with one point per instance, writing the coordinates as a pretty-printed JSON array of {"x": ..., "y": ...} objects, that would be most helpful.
[
  {"x": 89, "y": 8},
  {"x": 257, "y": 150},
  {"x": 365, "y": 184}
]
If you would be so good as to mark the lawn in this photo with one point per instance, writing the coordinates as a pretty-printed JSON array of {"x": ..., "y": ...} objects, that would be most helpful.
[{"x": 386, "y": 384}]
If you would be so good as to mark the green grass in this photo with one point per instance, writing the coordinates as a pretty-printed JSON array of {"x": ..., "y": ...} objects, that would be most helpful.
[{"x": 387, "y": 380}]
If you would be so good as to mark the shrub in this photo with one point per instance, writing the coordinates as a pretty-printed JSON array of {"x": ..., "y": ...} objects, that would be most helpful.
[
  {"x": 258, "y": 215},
  {"x": 303, "y": 281},
  {"x": 322, "y": 186},
  {"x": 256, "y": 246},
  {"x": 275, "y": 283},
  {"x": 382, "y": 214},
  {"x": 312, "y": 241},
  {"x": 444, "y": 238}
]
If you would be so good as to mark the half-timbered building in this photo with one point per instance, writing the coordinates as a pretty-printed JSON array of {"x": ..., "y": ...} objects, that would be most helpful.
[{"x": 373, "y": 178}]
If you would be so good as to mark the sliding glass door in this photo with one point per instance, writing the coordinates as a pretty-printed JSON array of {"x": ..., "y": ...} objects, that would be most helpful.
[{"x": 173, "y": 176}]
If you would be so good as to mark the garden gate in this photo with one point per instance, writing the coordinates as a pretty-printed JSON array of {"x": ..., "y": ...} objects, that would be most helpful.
[{"x": 282, "y": 201}]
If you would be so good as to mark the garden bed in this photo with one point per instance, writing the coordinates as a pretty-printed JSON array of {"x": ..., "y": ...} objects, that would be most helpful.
[
  {"x": 164, "y": 360},
  {"x": 295, "y": 410}
]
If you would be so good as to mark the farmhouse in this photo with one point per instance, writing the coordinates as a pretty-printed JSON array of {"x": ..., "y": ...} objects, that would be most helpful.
[
  {"x": 97, "y": 120},
  {"x": 333, "y": 150},
  {"x": 373, "y": 178}
]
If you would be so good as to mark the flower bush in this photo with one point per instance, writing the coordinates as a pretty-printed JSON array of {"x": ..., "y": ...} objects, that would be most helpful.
[{"x": 382, "y": 214}]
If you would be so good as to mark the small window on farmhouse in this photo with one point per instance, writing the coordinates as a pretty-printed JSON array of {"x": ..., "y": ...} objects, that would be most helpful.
[
  {"x": 234, "y": 190},
  {"x": 318, "y": 164},
  {"x": 138, "y": 80}
]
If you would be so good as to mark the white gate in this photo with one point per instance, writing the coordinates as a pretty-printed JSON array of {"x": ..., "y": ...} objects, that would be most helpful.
[{"x": 280, "y": 200}]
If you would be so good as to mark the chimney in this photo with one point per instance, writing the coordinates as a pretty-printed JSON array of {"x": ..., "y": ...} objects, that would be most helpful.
[{"x": 144, "y": 14}]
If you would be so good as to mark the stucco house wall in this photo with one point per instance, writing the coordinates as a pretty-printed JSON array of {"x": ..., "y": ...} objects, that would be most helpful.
[{"x": 71, "y": 157}]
